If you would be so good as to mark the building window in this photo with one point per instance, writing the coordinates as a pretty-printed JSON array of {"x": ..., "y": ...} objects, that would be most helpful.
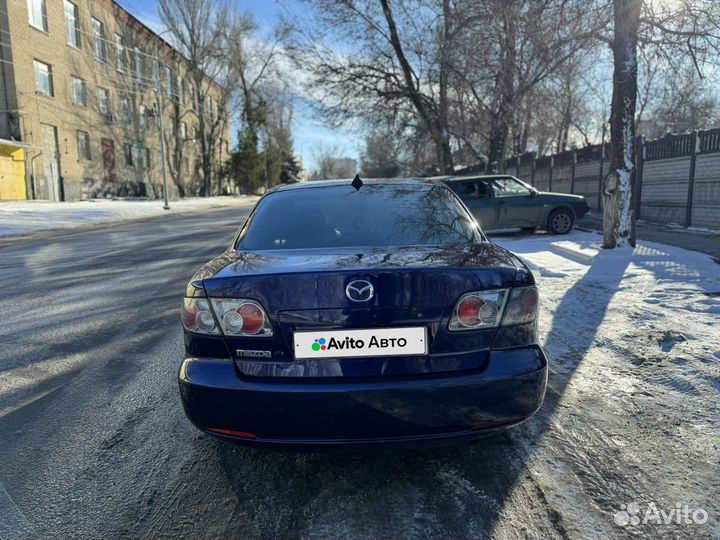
[
  {"x": 181, "y": 90},
  {"x": 148, "y": 162},
  {"x": 135, "y": 155},
  {"x": 139, "y": 66},
  {"x": 142, "y": 117},
  {"x": 127, "y": 152},
  {"x": 72, "y": 22},
  {"x": 193, "y": 97},
  {"x": 83, "y": 142},
  {"x": 104, "y": 101},
  {"x": 79, "y": 92},
  {"x": 44, "y": 78},
  {"x": 120, "y": 53},
  {"x": 209, "y": 106},
  {"x": 99, "y": 38},
  {"x": 125, "y": 110},
  {"x": 169, "y": 77},
  {"x": 183, "y": 131},
  {"x": 194, "y": 133},
  {"x": 155, "y": 70},
  {"x": 37, "y": 14},
  {"x": 186, "y": 165}
]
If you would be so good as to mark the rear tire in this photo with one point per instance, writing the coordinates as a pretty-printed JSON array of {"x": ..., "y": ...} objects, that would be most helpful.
[{"x": 560, "y": 221}]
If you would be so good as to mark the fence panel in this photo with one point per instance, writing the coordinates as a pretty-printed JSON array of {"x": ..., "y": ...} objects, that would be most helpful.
[
  {"x": 587, "y": 180},
  {"x": 664, "y": 191},
  {"x": 542, "y": 174},
  {"x": 706, "y": 196},
  {"x": 562, "y": 178}
]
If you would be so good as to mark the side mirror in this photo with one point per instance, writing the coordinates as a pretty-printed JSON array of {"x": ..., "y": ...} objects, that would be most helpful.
[{"x": 533, "y": 192}]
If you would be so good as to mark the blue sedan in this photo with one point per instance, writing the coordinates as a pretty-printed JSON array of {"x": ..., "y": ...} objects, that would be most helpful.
[{"x": 361, "y": 313}]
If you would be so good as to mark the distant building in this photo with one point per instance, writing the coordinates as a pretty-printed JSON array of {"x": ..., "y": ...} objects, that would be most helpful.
[{"x": 78, "y": 108}]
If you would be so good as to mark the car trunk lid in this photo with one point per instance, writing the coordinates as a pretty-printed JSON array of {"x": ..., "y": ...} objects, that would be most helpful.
[{"x": 306, "y": 290}]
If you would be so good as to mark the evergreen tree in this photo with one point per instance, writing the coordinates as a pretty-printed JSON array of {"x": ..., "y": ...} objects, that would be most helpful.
[
  {"x": 246, "y": 164},
  {"x": 290, "y": 170}
]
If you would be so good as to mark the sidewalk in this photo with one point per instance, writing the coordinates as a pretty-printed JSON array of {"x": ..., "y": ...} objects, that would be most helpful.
[
  {"x": 21, "y": 219},
  {"x": 693, "y": 239}
]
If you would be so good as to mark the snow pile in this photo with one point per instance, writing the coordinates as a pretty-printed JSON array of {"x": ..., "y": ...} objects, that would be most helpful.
[
  {"x": 28, "y": 217},
  {"x": 633, "y": 338}
]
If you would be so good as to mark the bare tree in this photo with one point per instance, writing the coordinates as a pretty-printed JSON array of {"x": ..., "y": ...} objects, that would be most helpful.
[
  {"x": 675, "y": 29},
  {"x": 683, "y": 103},
  {"x": 198, "y": 30},
  {"x": 505, "y": 51},
  {"x": 618, "y": 222},
  {"x": 397, "y": 66},
  {"x": 330, "y": 163}
]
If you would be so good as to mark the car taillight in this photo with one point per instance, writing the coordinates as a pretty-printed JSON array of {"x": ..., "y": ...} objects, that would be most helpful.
[
  {"x": 522, "y": 306},
  {"x": 489, "y": 309},
  {"x": 197, "y": 316},
  {"x": 241, "y": 317},
  {"x": 481, "y": 309}
]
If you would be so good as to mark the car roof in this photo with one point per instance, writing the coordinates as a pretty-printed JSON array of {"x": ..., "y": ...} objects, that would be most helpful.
[
  {"x": 476, "y": 177},
  {"x": 317, "y": 184}
]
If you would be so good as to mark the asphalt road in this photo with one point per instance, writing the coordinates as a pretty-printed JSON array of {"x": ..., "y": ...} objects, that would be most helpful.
[{"x": 94, "y": 442}]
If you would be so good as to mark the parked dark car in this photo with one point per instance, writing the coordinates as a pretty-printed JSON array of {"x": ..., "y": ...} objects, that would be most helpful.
[
  {"x": 504, "y": 202},
  {"x": 371, "y": 314}
]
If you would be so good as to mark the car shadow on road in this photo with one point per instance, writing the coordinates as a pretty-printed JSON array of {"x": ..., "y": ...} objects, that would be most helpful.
[{"x": 464, "y": 491}]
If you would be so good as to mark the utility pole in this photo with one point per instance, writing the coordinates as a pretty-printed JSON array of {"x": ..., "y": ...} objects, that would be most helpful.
[{"x": 158, "y": 89}]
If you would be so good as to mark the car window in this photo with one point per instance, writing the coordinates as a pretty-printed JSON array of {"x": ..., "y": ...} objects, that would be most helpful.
[
  {"x": 467, "y": 189},
  {"x": 484, "y": 190},
  {"x": 477, "y": 189},
  {"x": 376, "y": 215},
  {"x": 509, "y": 187}
]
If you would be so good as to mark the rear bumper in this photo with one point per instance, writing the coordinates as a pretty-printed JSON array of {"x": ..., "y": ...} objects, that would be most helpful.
[{"x": 409, "y": 411}]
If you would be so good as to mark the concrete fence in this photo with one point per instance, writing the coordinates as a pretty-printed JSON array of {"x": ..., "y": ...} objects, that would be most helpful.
[{"x": 678, "y": 177}]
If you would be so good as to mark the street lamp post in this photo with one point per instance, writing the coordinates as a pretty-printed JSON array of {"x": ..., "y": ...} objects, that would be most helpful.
[{"x": 158, "y": 89}]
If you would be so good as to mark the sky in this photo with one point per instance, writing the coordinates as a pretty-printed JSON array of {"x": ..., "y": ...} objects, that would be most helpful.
[{"x": 309, "y": 133}]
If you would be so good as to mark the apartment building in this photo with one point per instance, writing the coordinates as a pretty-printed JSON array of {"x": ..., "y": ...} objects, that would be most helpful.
[{"x": 80, "y": 87}]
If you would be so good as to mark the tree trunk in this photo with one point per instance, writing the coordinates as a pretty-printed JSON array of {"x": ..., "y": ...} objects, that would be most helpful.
[
  {"x": 618, "y": 190},
  {"x": 435, "y": 120},
  {"x": 498, "y": 140},
  {"x": 445, "y": 160},
  {"x": 499, "y": 125}
]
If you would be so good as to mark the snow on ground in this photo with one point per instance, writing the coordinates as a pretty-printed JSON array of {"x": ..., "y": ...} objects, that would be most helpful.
[
  {"x": 631, "y": 414},
  {"x": 30, "y": 217}
]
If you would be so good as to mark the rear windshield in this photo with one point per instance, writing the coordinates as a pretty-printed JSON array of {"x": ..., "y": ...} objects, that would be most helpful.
[{"x": 376, "y": 215}]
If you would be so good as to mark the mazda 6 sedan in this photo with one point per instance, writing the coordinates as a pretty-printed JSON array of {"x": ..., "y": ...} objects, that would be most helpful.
[{"x": 361, "y": 313}]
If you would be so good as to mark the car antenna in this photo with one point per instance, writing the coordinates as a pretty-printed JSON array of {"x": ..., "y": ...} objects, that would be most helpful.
[{"x": 357, "y": 183}]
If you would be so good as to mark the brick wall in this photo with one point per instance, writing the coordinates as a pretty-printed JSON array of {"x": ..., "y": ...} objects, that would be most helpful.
[{"x": 82, "y": 177}]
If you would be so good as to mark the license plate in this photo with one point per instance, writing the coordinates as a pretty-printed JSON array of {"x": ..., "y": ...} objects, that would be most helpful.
[{"x": 358, "y": 343}]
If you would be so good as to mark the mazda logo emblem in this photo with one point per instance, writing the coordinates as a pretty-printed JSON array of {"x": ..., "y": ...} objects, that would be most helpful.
[{"x": 359, "y": 290}]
